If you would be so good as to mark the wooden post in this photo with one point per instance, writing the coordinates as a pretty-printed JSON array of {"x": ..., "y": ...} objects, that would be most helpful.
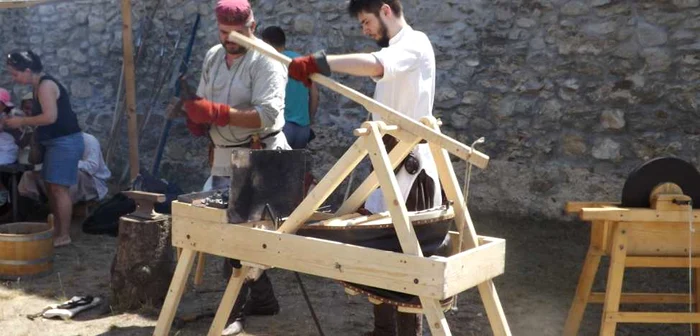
[
  {"x": 583, "y": 292},
  {"x": 463, "y": 220},
  {"x": 129, "y": 79},
  {"x": 177, "y": 288},
  {"x": 613, "y": 289},
  {"x": 142, "y": 266}
]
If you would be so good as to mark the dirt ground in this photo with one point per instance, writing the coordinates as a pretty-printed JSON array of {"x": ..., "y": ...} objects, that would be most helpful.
[{"x": 543, "y": 263}]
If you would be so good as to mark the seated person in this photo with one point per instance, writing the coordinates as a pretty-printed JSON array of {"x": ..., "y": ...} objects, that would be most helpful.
[
  {"x": 8, "y": 146},
  {"x": 23, "y": 135},
  {"x": 92, "y": 177}
]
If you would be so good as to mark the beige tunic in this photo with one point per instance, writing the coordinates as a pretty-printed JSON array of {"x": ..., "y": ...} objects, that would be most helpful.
[{"x": 253, "y": 80}]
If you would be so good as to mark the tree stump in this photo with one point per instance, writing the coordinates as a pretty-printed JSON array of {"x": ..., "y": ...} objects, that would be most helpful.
[{"x": 143, "y": 265}]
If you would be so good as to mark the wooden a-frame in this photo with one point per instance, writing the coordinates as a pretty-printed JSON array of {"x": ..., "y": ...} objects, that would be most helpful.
[{"x": 431, "y": 279}]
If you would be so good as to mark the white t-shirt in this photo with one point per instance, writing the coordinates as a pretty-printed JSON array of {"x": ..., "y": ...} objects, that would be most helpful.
[
  {"x": 408, "y": 83},
  {"x": 407, "y": 86}
]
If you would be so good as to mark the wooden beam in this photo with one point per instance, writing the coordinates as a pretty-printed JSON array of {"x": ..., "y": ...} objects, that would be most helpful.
[
  {"x": 676, "y": 317},
  {"x": 389, "y": 115},
  {"x": 463, "y": 220},
  {"x": 646, "y": 298},
  {"x": 177, "y": 288},
  {"x": 333, "y": 260},
  {"x": 130, "y": 81},
  {"x": 636, "y": 215},
  {"x": 475, "y": 266},
  {"x": 575, "y": 207},
  {"x": 5, "y": 4},
  {"x": 661, "y": 262},
  {"x": 393, "y": 200}
]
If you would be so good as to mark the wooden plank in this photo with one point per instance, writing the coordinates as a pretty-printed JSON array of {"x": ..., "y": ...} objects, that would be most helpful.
[
  {"x": 575, "y": 207},
  {"x": 228, "y": 300},
  {"x": 325, "y": 187},
  {"x": 390, "y": 116},
  {"x": 6, "y": 4},
  {"x": 360, "y": 194},
  {"x": 130, "y": 89},
  {"x": 653, "y": 317},
  {"x": 660, "y": 239},
  {"x": 636, "y": 215},
  {"x": 342, "y": 220},
  {"x": 384, "y": 218},
  {"x": 393, "y": 199},
  {"x": 661, "y": 262},
  {"x": 206, "y": 214},
  {"x": 644, "y": 298},
  {"x": 616, "y": 273},
  {"x": 333, "y": 260},
  {"x": 177, "y": 287},
  {"x": 448, "y": 179},
  {"x": 474, "y": 266},
  {"x": 583, "y": 291}
]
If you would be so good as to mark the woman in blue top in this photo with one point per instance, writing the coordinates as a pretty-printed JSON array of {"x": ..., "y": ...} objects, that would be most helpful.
[{"x": 57, "y": 130}]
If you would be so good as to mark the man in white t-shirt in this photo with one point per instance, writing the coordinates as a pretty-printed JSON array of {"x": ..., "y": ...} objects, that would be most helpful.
[{"x": 404, "y": 70}]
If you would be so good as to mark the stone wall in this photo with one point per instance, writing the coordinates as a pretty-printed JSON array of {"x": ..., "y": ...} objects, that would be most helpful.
[{"x": 570, "y": 95}]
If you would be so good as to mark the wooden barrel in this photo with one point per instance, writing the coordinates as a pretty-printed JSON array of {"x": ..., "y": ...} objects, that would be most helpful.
[{"x": 26, "y": 250}]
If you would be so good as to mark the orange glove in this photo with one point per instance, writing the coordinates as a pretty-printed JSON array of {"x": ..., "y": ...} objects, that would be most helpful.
[
  {"x": 302, "y": 67},
  {"x": 197, "y": 130},
  {"x": 203, "y": 111}
]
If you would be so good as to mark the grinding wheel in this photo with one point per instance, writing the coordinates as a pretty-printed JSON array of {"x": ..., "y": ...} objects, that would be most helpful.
[{"x": 643, "y": 179}]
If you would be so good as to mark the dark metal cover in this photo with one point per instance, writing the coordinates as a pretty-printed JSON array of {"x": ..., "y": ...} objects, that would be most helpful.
[
  {"x": 643, "y": 179},
  {"x": 260, "y": 177}
]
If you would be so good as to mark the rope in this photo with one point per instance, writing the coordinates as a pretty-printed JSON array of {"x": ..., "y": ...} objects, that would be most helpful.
[{"x": 691, "y": 230}]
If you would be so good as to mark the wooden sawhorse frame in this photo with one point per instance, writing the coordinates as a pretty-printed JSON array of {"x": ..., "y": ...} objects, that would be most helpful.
[
  {"x": 635, "y": 238},
  {"x": 431, "y": 279}
]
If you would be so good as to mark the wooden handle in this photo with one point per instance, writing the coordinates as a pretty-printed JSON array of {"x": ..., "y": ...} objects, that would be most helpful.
[{"x": 389, "y": 115}]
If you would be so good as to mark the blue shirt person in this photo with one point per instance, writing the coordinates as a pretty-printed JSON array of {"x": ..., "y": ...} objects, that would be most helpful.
[{"x": 300, "y": 103}]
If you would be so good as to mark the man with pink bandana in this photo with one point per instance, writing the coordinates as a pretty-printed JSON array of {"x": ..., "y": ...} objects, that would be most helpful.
[{"x": 240, "y": 95}]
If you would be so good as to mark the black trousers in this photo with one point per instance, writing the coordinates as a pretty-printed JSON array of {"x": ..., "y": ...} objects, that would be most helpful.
[{"x": 255, "y": 298}]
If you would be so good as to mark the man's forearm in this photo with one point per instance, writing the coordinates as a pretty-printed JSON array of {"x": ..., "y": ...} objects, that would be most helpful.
[
  {"x": 356, "y": 64},
  {"x": 313, "y": 102},
  {"x": 247, "y": 117}
]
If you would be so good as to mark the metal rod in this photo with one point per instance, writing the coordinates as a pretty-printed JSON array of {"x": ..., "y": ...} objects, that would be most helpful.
[{"x": 308, "y": 303}]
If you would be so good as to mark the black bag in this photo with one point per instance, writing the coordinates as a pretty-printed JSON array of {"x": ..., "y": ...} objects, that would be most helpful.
[{"x": 104, "y": 220}]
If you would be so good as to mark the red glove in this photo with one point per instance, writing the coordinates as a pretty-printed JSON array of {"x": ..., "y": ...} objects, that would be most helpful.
[
  {"x": 197, "y": 130},
  {"x": 203, "y": 111},
  {"x": 302, "y": 67}
]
